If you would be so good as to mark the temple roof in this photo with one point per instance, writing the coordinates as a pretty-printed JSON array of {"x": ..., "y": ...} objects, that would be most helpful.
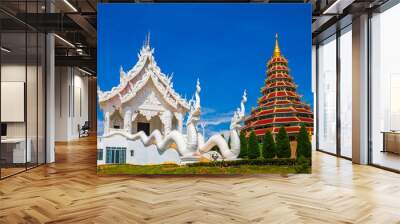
[
  {"x": 289, "y": 130},
  {"x": 277, "y": 51},
  {"x": 135, "y": 79},
  {"x": 280, "y": 104},
  {"x": 279, "y": 84},
  {"x": 277, "y": 110}
]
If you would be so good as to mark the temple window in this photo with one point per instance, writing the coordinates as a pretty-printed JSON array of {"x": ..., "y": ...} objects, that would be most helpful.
[{"x": 99, "y": 154}]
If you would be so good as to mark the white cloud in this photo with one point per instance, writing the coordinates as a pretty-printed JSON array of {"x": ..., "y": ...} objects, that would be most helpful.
[
  {"x": 217, "y": 119},
  {"x": 207, "y": 110},
  {"x": 225, "y": 133},
  {"x": 216, "y": 123}
]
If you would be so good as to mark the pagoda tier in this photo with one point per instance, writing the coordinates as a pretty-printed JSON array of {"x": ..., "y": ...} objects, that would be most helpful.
[{"x": 280, "y": 104}]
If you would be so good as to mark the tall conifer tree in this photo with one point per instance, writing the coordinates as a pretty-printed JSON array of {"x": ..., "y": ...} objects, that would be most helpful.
[
  {"x": 253, "y": 149},
  {"x": 283, "y": 143},
  {"x": 269, "y": 147},
  {"x": 303, "y": 143},
  {"x": 243, "y": 145}
]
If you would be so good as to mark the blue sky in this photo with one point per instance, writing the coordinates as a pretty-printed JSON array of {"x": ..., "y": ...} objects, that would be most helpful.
[{"x": 226, "y": 46}]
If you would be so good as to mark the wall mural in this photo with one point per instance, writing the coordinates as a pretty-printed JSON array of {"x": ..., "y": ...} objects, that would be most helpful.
[{"x": 249, "y": 110}]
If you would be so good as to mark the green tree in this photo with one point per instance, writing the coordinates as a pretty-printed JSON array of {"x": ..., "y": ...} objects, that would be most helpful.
[
  {"x": 269, "y": 147},
  {"x": 253, "y": 149},
  {"x": 243, "y": 145},
  {"x": 303, "y": 143},
  {"x": 282, "y": 143}
]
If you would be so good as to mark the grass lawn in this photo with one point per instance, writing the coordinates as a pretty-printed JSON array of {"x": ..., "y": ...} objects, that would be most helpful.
[{"x": 175, "y": 169}]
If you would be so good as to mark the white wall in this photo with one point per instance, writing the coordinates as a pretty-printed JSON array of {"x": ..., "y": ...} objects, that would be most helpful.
[
  {"x": 71, "y": 102},
  {"x": 33, "y": 125},
  {"x": 61, "y": 103},
  {"x": 16, "y": 73},
  {"x": 12, "y": 73},
  {"x": 142, "y": 155}
]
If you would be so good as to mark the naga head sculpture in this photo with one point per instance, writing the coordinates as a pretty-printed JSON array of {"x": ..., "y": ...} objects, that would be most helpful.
[
  {"x": 122, "y": 75},
  {"x": 195, "y": 108},
  {"x": 239, "y": 114}
]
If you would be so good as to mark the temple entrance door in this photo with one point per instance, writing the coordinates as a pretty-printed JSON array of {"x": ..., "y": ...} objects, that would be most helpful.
[{"x": 145, "y": 127}]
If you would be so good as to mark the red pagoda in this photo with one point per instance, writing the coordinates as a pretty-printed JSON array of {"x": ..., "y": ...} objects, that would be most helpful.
[{"x": 279, "y": 105}]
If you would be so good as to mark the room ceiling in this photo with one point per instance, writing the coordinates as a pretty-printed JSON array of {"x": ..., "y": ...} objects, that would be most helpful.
[{"x": 75, "y": 21}]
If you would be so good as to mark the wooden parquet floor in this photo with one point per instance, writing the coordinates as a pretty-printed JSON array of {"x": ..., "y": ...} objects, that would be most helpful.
[{"x": 69, "y": 191}]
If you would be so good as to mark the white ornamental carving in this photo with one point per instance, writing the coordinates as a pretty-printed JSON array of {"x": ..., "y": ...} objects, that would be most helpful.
[
  {"x": 151, "y": 98},
  {"x": 106, "y": 123},
  {"x": 179, "y": 118},
  {"x": 134, "y": 115},
  {"x": 147, "y": 68},
  {"x": 166, "y": 119},
  {"x": 148, "y": 114},
  {"x": 128, "y": 121}
]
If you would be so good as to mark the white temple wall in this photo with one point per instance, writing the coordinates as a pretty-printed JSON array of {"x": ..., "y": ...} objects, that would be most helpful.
[
  {"x": 136, "y": 152},
  {"x": 149, "y": 155},
  {"x": 111, "y": 141}
]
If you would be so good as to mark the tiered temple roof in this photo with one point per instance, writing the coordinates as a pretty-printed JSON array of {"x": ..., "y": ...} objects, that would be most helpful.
[
  {"x": 133, "y": 81},
  {"x": 280, "y": 104}
]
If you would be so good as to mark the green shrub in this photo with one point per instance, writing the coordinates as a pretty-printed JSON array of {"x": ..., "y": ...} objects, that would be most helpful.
[
  {"x": 243, "y": 145},
  {"x": 283, "y": 143},
  {"x": 269, "y": 147},
  {"x": 303, "y": 143},
  {"x": 257, "y": 162},
  {"x": 253, "y": 149},
  {"x": 303, "y": 165}
]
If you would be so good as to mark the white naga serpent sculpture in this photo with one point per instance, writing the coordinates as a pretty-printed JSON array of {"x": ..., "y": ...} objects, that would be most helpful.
[
  {"x": 193, "y": 144},
  {"x": 218, "y": 140},
  {"x": 195, "y": 141}
]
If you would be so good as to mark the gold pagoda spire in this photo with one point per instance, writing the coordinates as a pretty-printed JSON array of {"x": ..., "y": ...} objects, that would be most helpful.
[{"x": 277, "y": 51}]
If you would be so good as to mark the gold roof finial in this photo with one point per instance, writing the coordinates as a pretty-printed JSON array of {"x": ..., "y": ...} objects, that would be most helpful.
[{"x": 277, "y": 51}]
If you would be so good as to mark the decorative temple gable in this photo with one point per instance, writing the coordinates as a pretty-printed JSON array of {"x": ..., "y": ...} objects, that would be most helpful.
[
  {"x": 144, "y": 97},
  {"x": 146, "y": 68}
]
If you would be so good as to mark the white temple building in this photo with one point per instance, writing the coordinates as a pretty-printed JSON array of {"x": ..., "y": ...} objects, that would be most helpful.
[{"x": 143, "y": 120}]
